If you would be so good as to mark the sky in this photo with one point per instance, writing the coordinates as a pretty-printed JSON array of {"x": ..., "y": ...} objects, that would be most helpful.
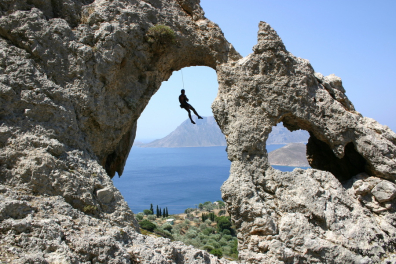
[{"x": 353, "y": 39}]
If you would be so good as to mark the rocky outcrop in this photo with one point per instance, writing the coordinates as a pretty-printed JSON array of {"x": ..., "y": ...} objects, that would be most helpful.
[
  {"x": 75, "y": 77},
  {"x": 309, "y": 215}
]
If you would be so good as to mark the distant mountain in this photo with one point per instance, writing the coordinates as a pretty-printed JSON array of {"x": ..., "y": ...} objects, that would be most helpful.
[
  {"x": 281, "y": 135},
  {"x": 292, "y": 154},
  {"x": 205, "y": 133}
]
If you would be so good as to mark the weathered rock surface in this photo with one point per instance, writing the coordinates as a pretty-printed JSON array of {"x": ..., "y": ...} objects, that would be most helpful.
[
  {"x": 75, "y": 77},
  {"x": 305, "y": 216},
  {"x": 52, "y": 231}
]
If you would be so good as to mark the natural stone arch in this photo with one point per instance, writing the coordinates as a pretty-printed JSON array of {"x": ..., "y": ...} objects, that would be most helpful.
[
  {"x": 288, "y": 217},
  {"x": 68, "y": 119}
]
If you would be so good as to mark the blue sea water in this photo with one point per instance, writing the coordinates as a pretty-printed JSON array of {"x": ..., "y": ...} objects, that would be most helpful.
[{"x": 177, "y": 178}]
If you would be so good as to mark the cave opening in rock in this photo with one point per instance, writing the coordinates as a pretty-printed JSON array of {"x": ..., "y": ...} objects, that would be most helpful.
[
  {"x": 322, "y": 157},
  {"x": 174, "y": 163},
  {"x": 287, "y": 149},
  {"x": 319, "y": 154}
]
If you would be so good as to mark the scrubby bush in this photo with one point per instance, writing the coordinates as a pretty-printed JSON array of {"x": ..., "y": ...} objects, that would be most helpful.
[
  {"x": 191, "y": 233},
  {"x": 146, "y": 224},
  {"x": 161, "y": 34},
  {"x": 208, "y": 247},
  {"x": 147, "y": 212},
  {"x": 226, "y": 232},
  {"x": 223, "y": 223},
  {"x": 188, "y": 210},
  {"x": 151, "y": 217},
  {"x": 167, "y": 227},
  {"x": 139, "y": 216},
  {"x": 217, "y": 253}
]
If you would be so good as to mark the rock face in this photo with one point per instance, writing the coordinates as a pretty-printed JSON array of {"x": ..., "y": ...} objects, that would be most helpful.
[
  {"x": 312, "y": 215},
  {"x": 75, "y": 76},
  {"x": 205, "y": 133}
]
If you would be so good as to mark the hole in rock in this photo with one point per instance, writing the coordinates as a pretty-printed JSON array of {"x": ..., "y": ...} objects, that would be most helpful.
[
  {"x": 286, "y": 149},
  {"x": 323, "y": 158},
  {"x": 175, "y": 164}
]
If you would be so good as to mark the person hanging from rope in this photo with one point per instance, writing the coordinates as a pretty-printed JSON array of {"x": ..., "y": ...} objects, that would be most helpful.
[{"x": 183, "y": 104}]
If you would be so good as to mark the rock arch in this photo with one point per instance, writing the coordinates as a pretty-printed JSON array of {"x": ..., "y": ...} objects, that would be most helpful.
[{"x": 303, "y": 216}]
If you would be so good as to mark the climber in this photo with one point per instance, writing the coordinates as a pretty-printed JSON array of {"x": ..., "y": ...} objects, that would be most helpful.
[{"x": 183, "y": 104}]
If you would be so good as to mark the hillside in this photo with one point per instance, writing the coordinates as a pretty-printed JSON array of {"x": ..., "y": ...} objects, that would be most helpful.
[
  {"x": 292, "y": 154},
  {"x": 205, "y": 133}
]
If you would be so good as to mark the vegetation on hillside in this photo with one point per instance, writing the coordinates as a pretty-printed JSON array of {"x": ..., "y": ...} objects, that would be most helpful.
[{"x": 206, "y": 227}]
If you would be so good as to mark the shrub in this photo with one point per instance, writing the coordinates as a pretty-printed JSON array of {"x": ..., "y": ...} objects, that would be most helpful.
[
  {"x": 90, "y": 209},
  {"x": 188, "y": 210},
  {"x": 147, "y": 212},
  {"x": 146, "y": 224},
  {"x": 223, "y": 223},
  {"x": 208, "y": 248},
  {"x": 222, "y": 212},
  {"x": 226, "y": 232},
  {"x": 151, "y": 217},
  {"x": 191, "y": 233},
  {"x": 216, "y": 252},
  {"x": 167, "y": 227},
  {"x": 139, "y": 216},
  {"x": 161, "y": 34}
]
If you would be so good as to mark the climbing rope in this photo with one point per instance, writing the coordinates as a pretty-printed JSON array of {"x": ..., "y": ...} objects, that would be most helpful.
[{"x": 182, "y": 77}]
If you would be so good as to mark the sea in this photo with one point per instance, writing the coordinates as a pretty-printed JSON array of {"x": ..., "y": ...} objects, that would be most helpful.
[{"x": 176, "y": 178}]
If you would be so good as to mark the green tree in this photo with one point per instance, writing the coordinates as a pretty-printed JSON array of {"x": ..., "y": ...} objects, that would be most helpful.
[
  {"x": 160, "y": 213},
  {"x": 146, "y": 224},
  {"x": 223, "y": 223},
  {"x": 151, "y": 209},
  {"x": 200, "y": 206},
  {"x": 166, "y": 214},
  {"x": 212, "y": 216},
  {"x": 157, "y": 211}
]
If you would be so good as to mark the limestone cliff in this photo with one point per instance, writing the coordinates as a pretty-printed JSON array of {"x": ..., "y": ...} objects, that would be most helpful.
[{"x": 75, "y": 76}]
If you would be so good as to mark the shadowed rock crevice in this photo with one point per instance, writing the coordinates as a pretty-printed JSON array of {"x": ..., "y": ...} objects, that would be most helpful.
[{"x": 321, "y": 157}]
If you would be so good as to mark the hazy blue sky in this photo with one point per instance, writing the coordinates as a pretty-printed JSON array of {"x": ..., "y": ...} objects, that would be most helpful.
[{"x": 353, "y": 39}]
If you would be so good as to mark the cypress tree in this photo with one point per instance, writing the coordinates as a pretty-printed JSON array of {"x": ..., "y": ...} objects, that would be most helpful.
[
  {"x": 166, "y": 215},
  {"x": 160, "y": 214},
  {"x": 157, "y": 211},
  {"x": 151, "y": 209}
]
